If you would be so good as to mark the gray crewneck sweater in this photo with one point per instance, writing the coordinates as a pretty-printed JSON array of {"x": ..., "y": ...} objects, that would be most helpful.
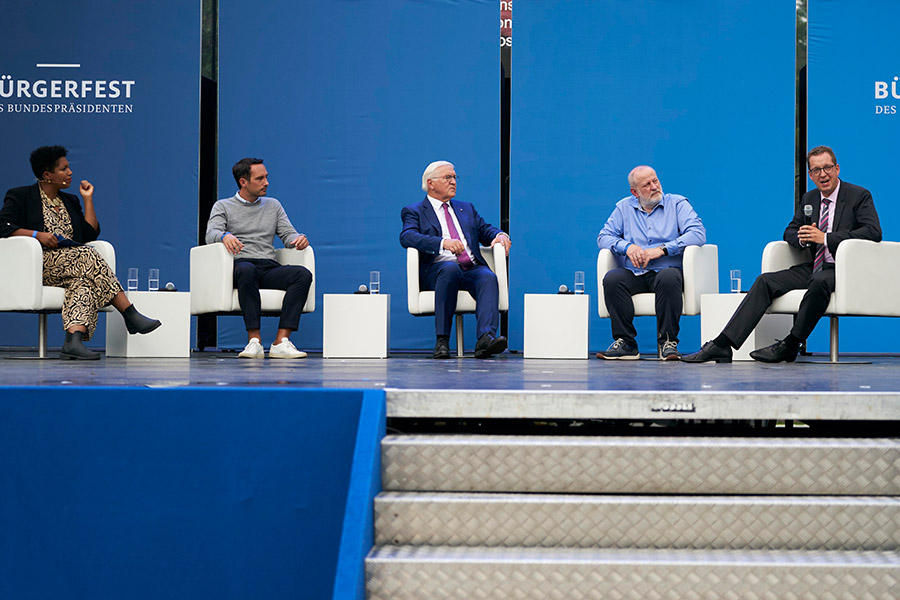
[{"x": 255, "y": 225}]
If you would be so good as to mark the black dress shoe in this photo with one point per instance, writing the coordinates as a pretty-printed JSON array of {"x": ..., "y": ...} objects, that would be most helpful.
[
  {"x": 489, "y": 345},
  {"x": 73, "y": 349},
  {"x": 708, "y": 352},
  {"x": 442, "y": 348},
  {"x": 777, "y": 352},
  {"x": 135, "y": 322}
]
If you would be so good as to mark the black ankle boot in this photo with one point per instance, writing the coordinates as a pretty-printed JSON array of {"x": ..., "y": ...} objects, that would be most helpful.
[
  {"x": 135, "y": 322},
  {"x": 73, "y": 349}
]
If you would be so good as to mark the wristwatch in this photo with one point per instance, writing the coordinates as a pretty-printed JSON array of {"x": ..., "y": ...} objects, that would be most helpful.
[{"x": 664, "y": 249}]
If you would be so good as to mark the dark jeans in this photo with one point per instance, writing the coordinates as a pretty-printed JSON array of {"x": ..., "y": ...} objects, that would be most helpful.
[
  {"x": 619, "y": 285},
  {"x": 769, "y": 286},
  {"x": 251, "y": 274},
  {"x": 446, "y": 278}
]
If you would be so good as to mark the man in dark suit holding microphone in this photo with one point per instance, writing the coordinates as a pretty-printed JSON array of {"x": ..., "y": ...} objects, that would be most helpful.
[
  {"x": 448, "y": 236},
  {"x": 835, "y": 211}
]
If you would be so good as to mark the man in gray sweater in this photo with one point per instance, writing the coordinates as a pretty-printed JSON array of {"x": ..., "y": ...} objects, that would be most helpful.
[{"x": 246, "y": 224}]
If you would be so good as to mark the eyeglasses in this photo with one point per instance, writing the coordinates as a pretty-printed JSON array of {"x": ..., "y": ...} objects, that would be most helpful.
[
  {"x": 828, "y": 169},
  {"x": 448, "y": 178}
]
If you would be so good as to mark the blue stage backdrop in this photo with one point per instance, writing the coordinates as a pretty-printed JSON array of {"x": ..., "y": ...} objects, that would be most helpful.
[
  {"x": 117, "y": 83},
  {"x": 701, "y": 90},
  {"x": 854, "y": 107},
  {"x": 184, "y": 493},
  {"x": 347, "y": 102}
]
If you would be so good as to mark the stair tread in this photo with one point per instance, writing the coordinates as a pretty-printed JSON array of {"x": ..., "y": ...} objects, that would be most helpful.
[
  {"x": 549, "y": 556},
  {"x": 390, "y": 496}
]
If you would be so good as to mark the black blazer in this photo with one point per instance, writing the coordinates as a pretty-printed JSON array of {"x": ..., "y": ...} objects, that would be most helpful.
[
  {"x": 22, "y": 209},
  {"x": 854, "y": 218}
]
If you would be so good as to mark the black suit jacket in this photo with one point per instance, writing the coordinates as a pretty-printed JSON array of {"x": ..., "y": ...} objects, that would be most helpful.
[
  {"x": 854, "y": 218},
  {"x": 22, "y": 209}
]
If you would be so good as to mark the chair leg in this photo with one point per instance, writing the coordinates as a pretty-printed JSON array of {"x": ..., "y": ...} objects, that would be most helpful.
[
  {"x": 459, "y": 335},
  {"x": 833, "y": 341},
  {"x": 42, "y": 335}
]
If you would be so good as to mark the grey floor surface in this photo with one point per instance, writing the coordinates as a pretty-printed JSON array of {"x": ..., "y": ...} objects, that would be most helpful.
[{"x": 411, "y": 371}]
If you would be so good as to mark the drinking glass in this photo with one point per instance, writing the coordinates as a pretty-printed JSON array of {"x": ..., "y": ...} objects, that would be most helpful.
[
  {"x": 579, "y": 282},
  {"x": 153, "y": 280},
  {"x": 374, "y": 282},
  {"x": 132, "y": 279},
  {"x": 735, "y": 281}
]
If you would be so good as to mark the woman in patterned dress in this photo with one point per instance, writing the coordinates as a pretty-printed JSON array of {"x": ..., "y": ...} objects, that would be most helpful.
[{"x": 43, "y": 212}]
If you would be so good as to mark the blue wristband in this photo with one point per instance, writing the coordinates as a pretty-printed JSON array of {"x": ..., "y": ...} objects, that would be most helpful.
[{"x": 34, "y": 234}]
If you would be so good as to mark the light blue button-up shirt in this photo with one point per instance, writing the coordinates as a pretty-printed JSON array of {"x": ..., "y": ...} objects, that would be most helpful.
[{"x": 672, "y": 223}]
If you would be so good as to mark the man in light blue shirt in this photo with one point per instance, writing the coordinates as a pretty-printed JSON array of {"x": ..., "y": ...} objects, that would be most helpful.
[{"x": 647, "y": 233}]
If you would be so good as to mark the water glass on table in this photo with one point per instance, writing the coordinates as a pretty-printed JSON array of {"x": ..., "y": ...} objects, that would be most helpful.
[
  {"x": 132, "y": 282},
  {"x": 374, "y": 282},
  {"x": 735, "y": 281},
  {"x": 579, "y": 282},
  {"x": 153, "y": 280}
]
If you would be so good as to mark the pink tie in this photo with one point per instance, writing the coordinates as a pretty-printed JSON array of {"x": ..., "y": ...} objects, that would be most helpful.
[
  {"x": 463, "y": 257},
  {"x": 823, "y": 226}
]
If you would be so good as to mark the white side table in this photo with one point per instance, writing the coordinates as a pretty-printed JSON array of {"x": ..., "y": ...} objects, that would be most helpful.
[
  {"x": 716, "y": 311},
  {"x": 356, "y": 325},
  {"x": 171, "y": 340},
  {"x": 556, "y": 325}
]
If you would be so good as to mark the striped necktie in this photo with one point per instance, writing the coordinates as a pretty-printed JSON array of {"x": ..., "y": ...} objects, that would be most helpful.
[{"x": 823, "y": 226}]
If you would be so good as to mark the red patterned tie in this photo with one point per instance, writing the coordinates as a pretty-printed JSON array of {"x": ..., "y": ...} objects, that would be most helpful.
[
  {"x": 463, "y": 257},
  {"x": 823, "y": 226}
]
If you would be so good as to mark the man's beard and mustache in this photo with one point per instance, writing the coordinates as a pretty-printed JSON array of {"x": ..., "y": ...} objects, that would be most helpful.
[{"x": 649, "y": 203}]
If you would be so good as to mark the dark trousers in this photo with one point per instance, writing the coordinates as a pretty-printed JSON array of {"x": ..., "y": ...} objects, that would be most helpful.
[
  {"x": 446, "y": 278},
  {"x": 619, "y": 285},
  {"x": 251, "y": 274},
  {"x": 769, "y": 286}
]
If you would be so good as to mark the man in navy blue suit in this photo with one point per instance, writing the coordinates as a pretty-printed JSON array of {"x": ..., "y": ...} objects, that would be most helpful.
[{"x": 448, "y": 236}]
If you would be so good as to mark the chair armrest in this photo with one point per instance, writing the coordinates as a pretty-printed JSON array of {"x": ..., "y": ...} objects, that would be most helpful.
[
  {"x": 495, "y": 256},
  {"x": 303, "y": 258},
  {"x": 606, "y": 262},
  {"x": 778, "y": 256},
  {"x": 863, "y": 284},
  {"x": 412, "y": 280},
  {"x": 21, "y": 271},
  {"x": 701, "y": 275},
  {"x": 212, "y": 279},
  {"x": 106, "y": 250}
]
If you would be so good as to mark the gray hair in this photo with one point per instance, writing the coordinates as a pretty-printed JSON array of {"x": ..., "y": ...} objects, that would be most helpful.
[
  {"x": 431, "y": 169},
  {"x": 633, "y": 174}
]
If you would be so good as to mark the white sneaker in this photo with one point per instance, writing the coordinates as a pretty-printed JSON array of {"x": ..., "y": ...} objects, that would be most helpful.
[
  {"x": 285, "y": 350},
  {"x": 253, "y": 349}
]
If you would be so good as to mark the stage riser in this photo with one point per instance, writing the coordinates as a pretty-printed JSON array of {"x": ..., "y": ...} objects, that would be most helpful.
[
  {"x": 732, "y": 522},
  {"x": 619, "y": 518},
  {"x": 642, "y": 465},
  {"x": 409, "y": 573}
]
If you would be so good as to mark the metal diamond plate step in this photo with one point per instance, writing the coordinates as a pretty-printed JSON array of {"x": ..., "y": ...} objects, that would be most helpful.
[
  {"x": 642, "y": 465},
  {"x": 407, "y": 573},
  {"x": 715, "y": 522}
]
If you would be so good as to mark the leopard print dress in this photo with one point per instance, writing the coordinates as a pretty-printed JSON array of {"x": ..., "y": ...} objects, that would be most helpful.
[{"x": 89, "y": 282}]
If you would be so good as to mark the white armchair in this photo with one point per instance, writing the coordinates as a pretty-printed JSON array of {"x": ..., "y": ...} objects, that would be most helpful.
[
  {"x": 21, "y": 271},
  {"x": 212, "y": 281},
  {"x": 421, "y": 303},
  {"x": 862, "y": 284},
  {"x": 701, "y": 276}
]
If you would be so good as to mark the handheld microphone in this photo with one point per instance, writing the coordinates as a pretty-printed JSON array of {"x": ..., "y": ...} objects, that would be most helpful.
[
  {"x": 564, "y": 289},
  {"x": 807, "y": 214},
  {"x": 170, "y": 286},
  {"x": 362, "y": 289}
]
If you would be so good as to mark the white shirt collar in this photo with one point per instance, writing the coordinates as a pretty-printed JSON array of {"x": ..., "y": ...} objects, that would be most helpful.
[
  {"x": 436, "y": 204},
  {"x": 241, "y": 199}
]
